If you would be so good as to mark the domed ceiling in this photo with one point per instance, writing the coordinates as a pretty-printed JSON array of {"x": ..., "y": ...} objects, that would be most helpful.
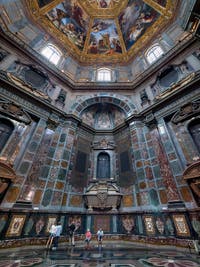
[{"x": 102, "y": 30}]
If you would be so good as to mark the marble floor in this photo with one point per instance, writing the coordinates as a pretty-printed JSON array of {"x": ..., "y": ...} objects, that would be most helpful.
[{"x": 114, "y": 255}]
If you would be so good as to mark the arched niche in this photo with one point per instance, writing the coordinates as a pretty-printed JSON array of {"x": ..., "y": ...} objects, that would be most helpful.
[
  {"x": 103, "y": 166},
  {"x": 192, "y": 176},
  {"x": 124, "y": 103}
]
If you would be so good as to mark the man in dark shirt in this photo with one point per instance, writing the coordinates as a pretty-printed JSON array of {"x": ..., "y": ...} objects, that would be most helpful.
[{"x": 71, "y": 230}]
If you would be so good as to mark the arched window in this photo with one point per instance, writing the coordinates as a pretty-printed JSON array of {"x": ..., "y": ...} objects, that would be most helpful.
[
  {"x": 154, "y": 53},
  {"x": 6, "y": 128},
  {"x": 194, "y": 129},
  {"x": 104, "y": 75},
  {"x": 103, "y": 166},
  {"x": 51, "y": 53}
]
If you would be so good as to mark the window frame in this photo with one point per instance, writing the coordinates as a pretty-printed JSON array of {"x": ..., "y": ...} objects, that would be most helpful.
[
  {"x": 102, "y": 73},
  {"x": 54, "y": 51},
  {"x": 154, "y": 53}
]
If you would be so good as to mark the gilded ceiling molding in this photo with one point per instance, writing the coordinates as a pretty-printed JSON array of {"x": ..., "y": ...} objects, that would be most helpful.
[
  {"x": 50, "y": 6},
  {"x": 160, "y": 9},
  {"x": 120, "y": 36},
  {"x": 110, "y": 12},
  {"x": 81, "y": 54},
  {"x": 87, "y": 40}
]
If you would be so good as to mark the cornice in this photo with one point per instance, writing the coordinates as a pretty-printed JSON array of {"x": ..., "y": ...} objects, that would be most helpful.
[{"x": 97, "y": 86}]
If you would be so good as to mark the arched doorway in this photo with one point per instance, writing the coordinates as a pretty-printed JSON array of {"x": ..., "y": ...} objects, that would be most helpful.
[{"x": 103, "y": 166}]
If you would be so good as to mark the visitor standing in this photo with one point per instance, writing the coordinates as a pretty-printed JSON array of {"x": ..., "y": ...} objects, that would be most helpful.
[
  {"x": 52, "y": 233},
  {"x": 71, "y": 230},
  {"x": 100, "y": 236},
  {"x": 57, "y": 235},
  {"x": 88, "y": 237}
]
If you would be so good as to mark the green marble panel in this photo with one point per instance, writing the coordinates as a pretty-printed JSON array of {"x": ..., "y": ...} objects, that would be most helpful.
[
  {"x": 45, "y": 171},
  {"x": 140, "y": 174},
  {"x": 137, "y": 154},
  {"x": 154, "y": 197},
  {"x": 175, "y": 167},
  {"x": 33, "y": 146},
  {"x": 66, "y": 155},
  {"x": 51, "y": 152},
  {"x": 151, "y": 152},
  {"x": 47, "y": 197},
  {"x": 62, "y": 174},
  {"x": 62, "y": 138},
  {"x": 156, "y": 171},
  {"x": 24, "y": 167},
  {"x": 168, "y": 147}
]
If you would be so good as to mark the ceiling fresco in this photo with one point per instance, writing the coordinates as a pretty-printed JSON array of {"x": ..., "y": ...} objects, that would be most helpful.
[
  {"x": 104, "y": 37},
  {"x": 134, "y": 21},
  {"x": 102, "y": 30}
]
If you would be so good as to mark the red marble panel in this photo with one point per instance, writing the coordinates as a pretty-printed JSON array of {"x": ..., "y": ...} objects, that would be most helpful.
[
  {"x": 163, "y": 196},
  {"x": 12, "y": 194},
  {"x": 57, "y": 198},
  {"x": 37, "y": 197},
  {"x": 139, "y": 164},
  {"x": 64, "y": 200},
  {"x": 76, "y": 201},
  {"x": 186, "y": 194},
  {"x": 149, "y": 173},
  {"x": 60, "y": 185},
  {"x": 102, "y": 221},
  {"x": 128, "y": 201},
  {"x": 142, "y": 185},
  {"x": 165, "y": 170},
  {"x": 64, "y": 164}
]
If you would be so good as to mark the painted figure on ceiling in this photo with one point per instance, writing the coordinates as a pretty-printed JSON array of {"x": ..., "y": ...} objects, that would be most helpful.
[
  {"x": 104, "y": 38},
  {"x": 135, "y": 19},
  {"x": 103, "y": 3},
  {"x": 70, "y": 18}
]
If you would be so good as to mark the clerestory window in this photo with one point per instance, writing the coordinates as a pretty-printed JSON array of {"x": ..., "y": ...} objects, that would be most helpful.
[
  {"x": 51, "y": 53},
  {"x": 154, "y": 53},
  {"x": 104, "y": 75}
]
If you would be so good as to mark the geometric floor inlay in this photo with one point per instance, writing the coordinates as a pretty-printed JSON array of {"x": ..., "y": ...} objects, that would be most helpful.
[{"x": 111, "y": 255}]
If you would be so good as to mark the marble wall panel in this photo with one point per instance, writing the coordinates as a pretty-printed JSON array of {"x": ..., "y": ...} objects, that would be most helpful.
[
  {"x": 57, "y": 198},
  {"x": 142, "y": 185},
  {"x": 47, "y": 197},
  {"x": 76, "y": 201},
  {"x": 12, "y": 194},
  {"x": 59, "y": 185},
  {"x": 102, "y": 221},
  {"x": 163, "y": 196},
  {"x": 37, "y": 197},
  {"x": 181, "y": 225},
  {"x": 64, "y": 200},
  {"x": 144, "y": 198},
  {"x": 128, "y": 201},
  {"x": 3, "y": 221},
  {"x": 186, "y": 194}
]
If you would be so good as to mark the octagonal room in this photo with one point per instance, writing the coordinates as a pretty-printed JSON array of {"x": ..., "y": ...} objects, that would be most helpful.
[{"x": 99, "y": 129}]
